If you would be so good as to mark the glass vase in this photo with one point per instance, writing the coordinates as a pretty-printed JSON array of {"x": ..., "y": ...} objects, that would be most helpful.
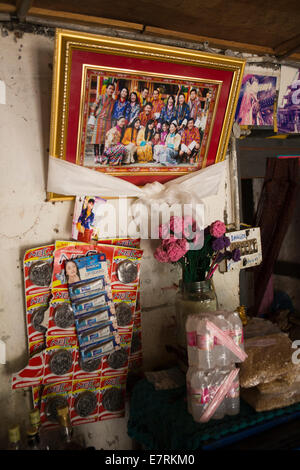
[{"x": 191, "y": 298}]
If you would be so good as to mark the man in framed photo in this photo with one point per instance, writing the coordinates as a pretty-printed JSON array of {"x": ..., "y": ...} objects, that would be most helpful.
[
  {"x": 195, "y": 107},
  {"x": 146, "y": 114},
  {"x": 190, "y": 143},
  {"x": 157, "y": 106},
  {"x": 144, "y": 98},
  {"x": 100, "y": 119}
]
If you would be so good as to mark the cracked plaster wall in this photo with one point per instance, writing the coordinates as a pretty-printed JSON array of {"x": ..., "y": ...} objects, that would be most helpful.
[{"x": 28, "y": 221}]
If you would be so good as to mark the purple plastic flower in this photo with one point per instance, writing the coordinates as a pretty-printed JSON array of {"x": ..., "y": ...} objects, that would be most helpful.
[
  {"x": 218, "y": 244},
  {"x": 226, "y": 241},
  {"x": 236, "y": 255}
]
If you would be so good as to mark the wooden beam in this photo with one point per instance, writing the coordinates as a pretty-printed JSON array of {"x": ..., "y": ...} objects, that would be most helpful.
[
  {"x": 86, "y": 19},
  {"x": 7, "y": 8},
  {"x": 22, "y": 8},
  {"x": 286, "y": 48},
  {"x": 213, "y": 42}
]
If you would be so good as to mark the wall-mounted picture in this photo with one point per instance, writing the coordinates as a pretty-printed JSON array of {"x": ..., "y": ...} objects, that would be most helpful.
[
  {"x": 256, "y": 101},
  {"x": 144, "y": 124},
  {"x": 87, "y": 218},
  {"x": 288, "y": 112},
  {"x": 140, "y": 111}
]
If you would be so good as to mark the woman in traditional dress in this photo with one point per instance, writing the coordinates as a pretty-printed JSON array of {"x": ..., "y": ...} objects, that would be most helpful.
[
  {"x": 168, "y": 113},
  {"x": 145, "y": 142},
  {"x": 172, "y": 145},
  {"x": 134, "y": 107},
  {"x": 130, "y": 141},
  {"x": 159, "y": 147},
  {"x": 100, "y": 119},
  {"x": 121, "y": 107},
  {"x": 114, "y": 151}
]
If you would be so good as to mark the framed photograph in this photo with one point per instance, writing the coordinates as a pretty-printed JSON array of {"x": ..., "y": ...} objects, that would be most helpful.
[
  {"x": 257, "y": 100},
  {"x": 140, "y": 111}
]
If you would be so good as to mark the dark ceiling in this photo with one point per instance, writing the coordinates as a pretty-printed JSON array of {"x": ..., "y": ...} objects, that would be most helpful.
[{"x": 262, "y": 27}]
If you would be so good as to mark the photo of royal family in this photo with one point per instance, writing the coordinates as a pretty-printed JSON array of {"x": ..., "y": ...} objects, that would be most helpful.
[{"x": 144, "y": 123}]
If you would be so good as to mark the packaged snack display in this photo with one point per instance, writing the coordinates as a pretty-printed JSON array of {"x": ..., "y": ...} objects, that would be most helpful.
[
  {"x": 103, "y": 338},
  {"x": 54, "y": 396},
  {"x": 37, "y": 264},
  {"x": 37, "y": 320},
  {"x": 85, "y": 401},
  {"x": 112, "y": 401},
  {"x": 38, "y": 269},
  {"x": 61, "y": 315},
  {"x": 79, "y": 328}
]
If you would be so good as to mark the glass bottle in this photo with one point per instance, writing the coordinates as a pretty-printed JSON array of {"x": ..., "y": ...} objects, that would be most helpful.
[
  {"x": 192, "y": 298},
  {"x": 45, "y": 437},
  {"x": 66, "y": 431},
  {"x": 14, "y": 437},
  {"x": 33, "y": 440}
]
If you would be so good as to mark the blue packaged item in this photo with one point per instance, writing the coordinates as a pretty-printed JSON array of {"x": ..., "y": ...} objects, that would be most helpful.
[
  {"x": 101, "y": 349},
  {"x": 83, "y": 288},
  {"x": 100, "y": 299},
  {"x": 94, "y": 318},
  {"x": 90, "y": 267},
  {"x": 96, "y": 335}
]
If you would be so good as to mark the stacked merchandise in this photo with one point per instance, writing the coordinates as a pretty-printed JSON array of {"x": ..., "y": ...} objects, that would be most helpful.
[
  {"x": 268, "y": 377},
  {"x": 80, "y": 308},
  {"x": 215, "y": 345}
]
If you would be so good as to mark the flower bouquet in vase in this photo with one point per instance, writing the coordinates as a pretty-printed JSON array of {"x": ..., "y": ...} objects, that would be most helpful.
[{"x": 199, "y": 252}]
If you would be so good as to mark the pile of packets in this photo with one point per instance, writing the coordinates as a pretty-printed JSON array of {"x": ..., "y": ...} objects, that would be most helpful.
[
  {"x": 84, "y": 327},
  {"x": 268, "y": 377}
]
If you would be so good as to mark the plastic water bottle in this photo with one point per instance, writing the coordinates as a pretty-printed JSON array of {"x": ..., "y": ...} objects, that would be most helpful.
[
  {"x": 199, "y": 393},
  {"x": 205, "y": 345},
  {"x": 189, "y": 374},
  {"x": 232, "y": 398},
  {"x": 191, "y": 340},
  {"x": 222, "y": 354},
  {"x": 217, "y": 379},
  {"x": 236, "y": 333}
]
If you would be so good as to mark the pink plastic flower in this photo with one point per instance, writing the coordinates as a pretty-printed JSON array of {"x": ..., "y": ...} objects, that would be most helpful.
[
  {"x": 189, "y": 226},
  {"x": 161, "y": 255},
  {"x": 217, "y": 229},
  {"x": 176, "y": 224},
  {"x": 177, "y": 249},
  {"x": 164, "y": 231}
]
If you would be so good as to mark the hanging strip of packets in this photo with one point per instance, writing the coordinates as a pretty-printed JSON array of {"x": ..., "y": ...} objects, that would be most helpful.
[{"x": 83, "y": 318}]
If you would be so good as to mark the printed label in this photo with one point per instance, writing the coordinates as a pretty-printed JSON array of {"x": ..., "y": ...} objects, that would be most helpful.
[{"x": 205, "y": 342}]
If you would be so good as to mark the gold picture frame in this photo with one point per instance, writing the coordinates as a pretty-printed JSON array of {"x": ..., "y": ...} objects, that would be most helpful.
[{"x": 129, "y": 61}]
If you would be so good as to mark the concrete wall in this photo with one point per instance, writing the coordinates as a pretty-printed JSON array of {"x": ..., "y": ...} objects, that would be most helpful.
[{"x": 28, "y": 221}]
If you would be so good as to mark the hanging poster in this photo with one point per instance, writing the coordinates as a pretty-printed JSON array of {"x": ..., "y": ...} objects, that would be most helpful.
[
  {"x": 257, "y": 98},
  {"x": 288, "y": 113}
]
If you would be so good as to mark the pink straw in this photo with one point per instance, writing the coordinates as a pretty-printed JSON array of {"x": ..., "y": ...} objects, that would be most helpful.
[
  {"x": 219, "y": 396},
  {"x": 225, "y": 340}
]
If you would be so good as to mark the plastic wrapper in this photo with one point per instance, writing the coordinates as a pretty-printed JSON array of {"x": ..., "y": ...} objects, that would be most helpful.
[
  {"x": 260, "y": 327},
  {"x": 211, "y": 394},
  {"x": 270, "y": 401},
  {"x": 283, "y": 383},
  {"x": 268, "y": 359}
]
